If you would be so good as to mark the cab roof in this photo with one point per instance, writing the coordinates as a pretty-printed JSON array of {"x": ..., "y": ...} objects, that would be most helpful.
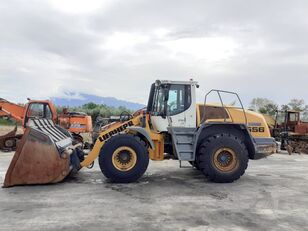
[{"x": 190, "y": 82}]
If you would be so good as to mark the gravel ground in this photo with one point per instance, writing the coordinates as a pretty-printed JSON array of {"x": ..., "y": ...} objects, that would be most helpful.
[{"x": 272, "y": 195}]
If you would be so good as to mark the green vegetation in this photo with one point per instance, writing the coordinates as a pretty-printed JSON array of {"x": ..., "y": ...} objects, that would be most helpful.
[
  {"x": 269, "y": 107},
  {"x": 95, "y": 110},
  {"x": 6, "y": 122}
]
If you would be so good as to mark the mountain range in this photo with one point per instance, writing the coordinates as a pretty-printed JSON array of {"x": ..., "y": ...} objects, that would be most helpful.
[{"x": 75, "y": 100}]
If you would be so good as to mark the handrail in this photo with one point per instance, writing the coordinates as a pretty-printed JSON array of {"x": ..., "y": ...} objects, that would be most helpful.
[{"x": 222, "y": 103}]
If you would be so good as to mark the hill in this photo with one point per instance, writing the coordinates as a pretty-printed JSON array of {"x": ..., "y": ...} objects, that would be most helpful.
[{"x": 73, "y": 100}]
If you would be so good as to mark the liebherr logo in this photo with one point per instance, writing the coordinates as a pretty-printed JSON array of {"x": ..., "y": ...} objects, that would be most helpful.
[{"x": 115, "y": 131}]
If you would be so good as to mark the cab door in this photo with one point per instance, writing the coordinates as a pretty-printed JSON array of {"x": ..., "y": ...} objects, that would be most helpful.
[{"x": 180, "y": 111}]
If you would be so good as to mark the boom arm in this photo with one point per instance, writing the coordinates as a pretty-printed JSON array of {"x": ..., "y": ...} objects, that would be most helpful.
[
  {"x": 105, "y": 135},
  {"x": 11, "y": 109}
]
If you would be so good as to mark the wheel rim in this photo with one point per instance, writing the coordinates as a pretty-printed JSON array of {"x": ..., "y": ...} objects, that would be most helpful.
[
  {"x": 9, "y": 143},
  {"x": 124, "y": 158},
  {"x": 225, "y": 160}
]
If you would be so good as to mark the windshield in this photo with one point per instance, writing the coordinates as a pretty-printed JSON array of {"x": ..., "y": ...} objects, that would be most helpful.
[
  {"x": 158, "y": 104},
  {"x": 293, "y": 117},
  {"x": 39, "y": 110}
]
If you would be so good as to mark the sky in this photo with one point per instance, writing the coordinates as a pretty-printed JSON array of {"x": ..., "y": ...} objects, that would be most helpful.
[{"x": 118, "y": 48}]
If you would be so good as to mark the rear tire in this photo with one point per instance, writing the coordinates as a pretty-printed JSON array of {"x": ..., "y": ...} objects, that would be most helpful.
[
  {"x": 10, "y": 143},
  {"x": 124, "y": 158},
  {"x": 223, "y": 158}
]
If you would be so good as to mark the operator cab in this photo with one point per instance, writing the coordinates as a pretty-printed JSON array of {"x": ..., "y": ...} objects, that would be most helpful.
[
  {"x": 37, "y": 110},
  {"x": 172, "y": 103},
  {"x": 287, "y": 120}
]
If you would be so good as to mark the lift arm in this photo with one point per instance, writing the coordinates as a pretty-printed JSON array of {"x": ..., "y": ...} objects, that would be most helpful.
[{"x": 105, "y": 135}]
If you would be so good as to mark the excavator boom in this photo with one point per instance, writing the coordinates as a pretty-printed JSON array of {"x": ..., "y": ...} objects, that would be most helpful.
[{"x": 12, "y": 110}]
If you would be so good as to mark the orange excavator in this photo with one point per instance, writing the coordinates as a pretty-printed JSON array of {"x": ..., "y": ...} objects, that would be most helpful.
[{"x": 74, "y": 122}]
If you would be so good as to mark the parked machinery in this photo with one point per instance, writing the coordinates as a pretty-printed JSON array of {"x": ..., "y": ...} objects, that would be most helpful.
[
  {"x": 291, "y": 131},
  {"x": 75, "y": 122},
  {"x": 172, "y": 127}
]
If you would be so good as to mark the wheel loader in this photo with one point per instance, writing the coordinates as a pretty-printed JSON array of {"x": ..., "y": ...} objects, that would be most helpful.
[{"x": 218, "y": 141}]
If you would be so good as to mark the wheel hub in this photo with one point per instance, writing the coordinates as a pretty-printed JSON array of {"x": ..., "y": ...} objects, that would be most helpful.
[
  {"x": 225, "y": 160},
  {"x": 124, "y": 158},
  {"x": 9, "y": 143}
]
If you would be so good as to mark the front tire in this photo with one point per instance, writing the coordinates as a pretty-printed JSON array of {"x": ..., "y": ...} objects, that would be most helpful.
[
  {"x": 194, "y": 164},
  {"x": 124, "y": 158},
  {"x": 223, "y": 158}
]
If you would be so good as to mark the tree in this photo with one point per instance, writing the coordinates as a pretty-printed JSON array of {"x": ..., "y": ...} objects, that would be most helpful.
[
  {"x": 297, "y": 104},
  {"x": 284, "y": 107},
  {"x": 90, "y": 105},
  {"x": 98, "y": 110},
  {"x": 264, "y": 106},
  {"x": 258, "y": 103},
  {"x": 304, "y": 114},
  {"x": 269, "y": 109}
]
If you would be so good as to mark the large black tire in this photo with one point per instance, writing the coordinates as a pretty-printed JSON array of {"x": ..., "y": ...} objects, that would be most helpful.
[
  {"x": 222, "y": 158},
  {"x": 194, "y": 164},
  {"x": 108, "y": 167}
]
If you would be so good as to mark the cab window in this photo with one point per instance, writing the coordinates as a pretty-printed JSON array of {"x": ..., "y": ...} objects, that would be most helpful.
[
  {"x": 293, "y": 117},
  {"x": 39, "y": 110},
  {"x": 48, "y": 114},
  {"x": 179, "y": 99}
]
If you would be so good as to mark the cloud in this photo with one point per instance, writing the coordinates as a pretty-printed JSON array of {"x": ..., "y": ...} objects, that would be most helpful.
[
  {"x": 80, "y": 6},
  {"x": 118, "y": 48}
]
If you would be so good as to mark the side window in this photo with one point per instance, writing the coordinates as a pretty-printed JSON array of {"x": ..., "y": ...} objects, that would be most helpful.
[
  {"x": 48, "y": 114},
  {"x": 36, "y": 110},
  {"x": 293, "y": 117},
  {"x": 179, "y": 99}
]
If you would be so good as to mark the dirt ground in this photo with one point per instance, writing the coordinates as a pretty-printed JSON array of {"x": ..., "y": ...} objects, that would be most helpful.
[
  {"x": 6, "y": 129},
  {"x": 272, "y": 195}
]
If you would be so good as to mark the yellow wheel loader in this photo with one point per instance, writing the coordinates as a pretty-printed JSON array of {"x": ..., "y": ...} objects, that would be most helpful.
[{"x": 218, "y": 140}]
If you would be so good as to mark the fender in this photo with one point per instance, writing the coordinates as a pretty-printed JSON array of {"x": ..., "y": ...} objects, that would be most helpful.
[
  {"x": 143, "y": 133},
  {"x": 212, "y": 128}
]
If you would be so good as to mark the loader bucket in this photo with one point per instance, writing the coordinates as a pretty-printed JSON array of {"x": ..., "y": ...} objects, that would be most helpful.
[{"x": 44, "y": 155}]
